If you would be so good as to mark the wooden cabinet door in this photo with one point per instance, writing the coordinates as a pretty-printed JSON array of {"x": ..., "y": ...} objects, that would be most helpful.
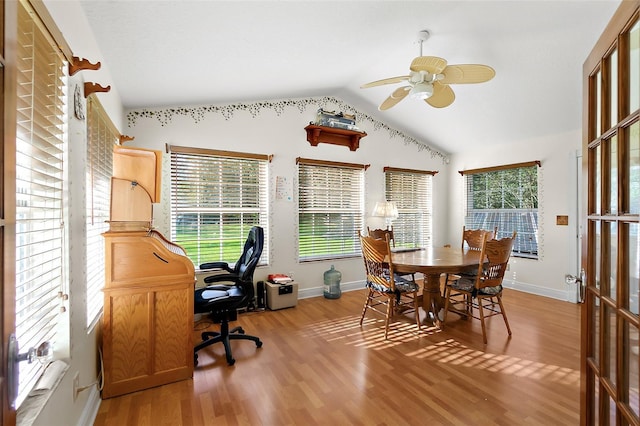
[{"x": 147, "y": 337}]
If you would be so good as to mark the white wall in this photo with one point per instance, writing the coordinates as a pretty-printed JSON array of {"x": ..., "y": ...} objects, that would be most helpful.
[
  {"x": 557, "y": 196},
  {"x": 283, "y": 135}
]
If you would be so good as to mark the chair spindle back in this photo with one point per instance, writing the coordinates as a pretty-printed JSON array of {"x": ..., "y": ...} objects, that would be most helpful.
[{"x": 376, "y": 254}]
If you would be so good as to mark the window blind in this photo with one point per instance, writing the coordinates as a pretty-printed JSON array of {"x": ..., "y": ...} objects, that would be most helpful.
[
  {"x": 102, "y": 136},
  {"x": 507, "y": 198},
  {"x": 330, "y": 210},
  {"x": 215, "y": 200},
  {"x": 40, "y": 149},
  {"x": 412, "y": 193}
]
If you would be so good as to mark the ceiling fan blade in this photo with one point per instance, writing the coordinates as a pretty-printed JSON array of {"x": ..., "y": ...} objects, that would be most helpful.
[
  {"x": 432, "y": 64},
  {"x": 390, "y": 80},
  {"x": 443, "y": 95},
  {"x": 397, "y": 95},
  {"x": 468, "y": 73}
]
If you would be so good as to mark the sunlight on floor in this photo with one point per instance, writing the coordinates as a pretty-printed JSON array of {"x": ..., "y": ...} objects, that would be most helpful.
[{"x": 371, "y": 335}]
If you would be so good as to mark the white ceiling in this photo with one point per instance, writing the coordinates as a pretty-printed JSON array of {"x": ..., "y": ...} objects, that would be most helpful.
[{"x": 180, "y": 52}]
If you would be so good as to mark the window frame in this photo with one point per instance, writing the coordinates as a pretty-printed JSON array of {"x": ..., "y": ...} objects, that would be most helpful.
[
  {"x": 341, "y": 196},
  {"x": 40, "y": 187},
  {"x": 412, "y": 191},
  {"x": 528, "y": 236},
  {"x": 187, "y": 166}
]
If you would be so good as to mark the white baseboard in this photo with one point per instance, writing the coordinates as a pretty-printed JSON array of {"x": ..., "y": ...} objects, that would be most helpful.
[
  {"x": 540, "y": 291},
  {"x": 90, "y": 411},
  {"x": 566, "y": 295},
  {"x": 319, "y": 291}
]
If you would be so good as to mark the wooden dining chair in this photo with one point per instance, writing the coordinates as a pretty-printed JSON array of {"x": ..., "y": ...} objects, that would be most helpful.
[
  {"x": 381, "y": 234},
  {"x": 388, "y": 292},
  {"x": 471, "y": 239},
  {"x": 484, "y": 291}
]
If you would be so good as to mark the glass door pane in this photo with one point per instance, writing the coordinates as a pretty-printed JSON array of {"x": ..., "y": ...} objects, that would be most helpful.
[
  {"x": 634, "y": 67},
  {"x": 608, "y": 372},
  {"x": 631, "y": 368},
  {"x": 594, "y": 324},
  {"x": 612, "y": 175},
  {"x": 612, "y": 411},
  {"x": 597, "y": 180},
  {"x": 633, "y": 270},
  {"x": 613, "y": 86},
  {"x": 612, "y": 272},
  {"x": 597, "y": 249},
  {"x": 598, "y": 103},
  {"x": 596, "y": 402},
  {"x": 633, "y": 169}
]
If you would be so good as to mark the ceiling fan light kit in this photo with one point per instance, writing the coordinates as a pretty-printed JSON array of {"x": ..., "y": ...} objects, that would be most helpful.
[
  {"x": 421, "y": 91},
  {"x": 429, "y": 79}
]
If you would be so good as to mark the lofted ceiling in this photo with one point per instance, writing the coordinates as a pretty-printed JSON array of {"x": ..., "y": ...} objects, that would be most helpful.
[{"x": 181, "y": 52}]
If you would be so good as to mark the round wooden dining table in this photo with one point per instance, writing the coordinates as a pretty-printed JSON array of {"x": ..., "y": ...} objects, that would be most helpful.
[{"x": 432, "y": 262}]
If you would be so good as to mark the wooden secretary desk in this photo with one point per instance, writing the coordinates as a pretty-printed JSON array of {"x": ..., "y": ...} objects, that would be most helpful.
[{"x": 147, "y": 327}]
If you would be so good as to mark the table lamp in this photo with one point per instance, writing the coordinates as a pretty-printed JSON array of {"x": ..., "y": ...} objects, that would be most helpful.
[{"x": 386, "y": 209}]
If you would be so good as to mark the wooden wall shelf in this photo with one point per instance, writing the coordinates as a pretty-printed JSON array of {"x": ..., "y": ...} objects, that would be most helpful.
[{"x": 333, "y": 135}]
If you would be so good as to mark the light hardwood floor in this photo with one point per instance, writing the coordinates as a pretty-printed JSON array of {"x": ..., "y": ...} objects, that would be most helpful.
[{"x": 319, "y": 367}]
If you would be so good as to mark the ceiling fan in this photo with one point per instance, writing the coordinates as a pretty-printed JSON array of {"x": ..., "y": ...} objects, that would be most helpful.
[{"x": 429, "y": 79}]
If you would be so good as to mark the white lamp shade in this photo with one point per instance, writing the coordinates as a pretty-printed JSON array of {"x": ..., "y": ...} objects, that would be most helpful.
[{"x": 386, "y": 209}]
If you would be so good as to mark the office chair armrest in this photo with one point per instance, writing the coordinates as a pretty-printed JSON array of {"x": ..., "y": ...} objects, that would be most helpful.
[
  {"x": 222, "y": 278},
  {"x": 216, "y": 265}
]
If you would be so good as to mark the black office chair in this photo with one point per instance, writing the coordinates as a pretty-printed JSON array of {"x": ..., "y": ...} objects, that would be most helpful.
[{"x": 222, "y": 301}]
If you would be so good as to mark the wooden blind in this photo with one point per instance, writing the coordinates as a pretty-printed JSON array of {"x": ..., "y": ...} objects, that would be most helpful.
[
  {"x": 102, "y": 136},
  {"x": 40, "y": 148},
  {"x": 330, "y": 210}
]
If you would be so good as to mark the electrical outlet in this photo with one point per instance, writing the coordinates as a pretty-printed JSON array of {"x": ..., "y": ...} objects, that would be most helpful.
[{"x": 76, "y": 385}]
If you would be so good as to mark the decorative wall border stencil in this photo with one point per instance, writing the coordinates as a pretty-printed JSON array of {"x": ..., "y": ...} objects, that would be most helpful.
[{"x": 197, "y": 113}]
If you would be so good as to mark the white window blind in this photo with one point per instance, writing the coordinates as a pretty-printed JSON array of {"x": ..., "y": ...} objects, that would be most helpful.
[
  {"x": 216, "y": 197},
  {"x": 330, "y": 209},
  {"x": 40, "y": 148},
  {"x": 506, "y": 197},
  {"x": 411, "y": 191},
  {"x": 102, "y": 136}
]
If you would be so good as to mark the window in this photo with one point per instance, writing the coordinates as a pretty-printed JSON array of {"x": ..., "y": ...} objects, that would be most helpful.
[
  {"x": 411, "y": 191},
  {"x": 216, "y": 197},
  {"x": 330, "y": 209},
  {"x": 102, "y": 136},
  {"x": 40, "y": 152},
  {"x": 506, "y": 197}
]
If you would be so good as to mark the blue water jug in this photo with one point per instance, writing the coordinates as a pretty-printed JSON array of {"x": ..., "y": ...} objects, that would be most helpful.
[{"x": 332, "y": 279}]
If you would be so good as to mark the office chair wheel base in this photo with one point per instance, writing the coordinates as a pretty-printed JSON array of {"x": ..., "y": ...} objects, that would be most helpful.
[
  {"x": 231, "y": 361},
  {"x": 195, "y": 360},
  {"x": 258, "y": 344}
]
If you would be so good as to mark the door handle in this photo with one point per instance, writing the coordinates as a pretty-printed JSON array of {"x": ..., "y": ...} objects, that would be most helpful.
[{"x": 43, "y": 353}]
